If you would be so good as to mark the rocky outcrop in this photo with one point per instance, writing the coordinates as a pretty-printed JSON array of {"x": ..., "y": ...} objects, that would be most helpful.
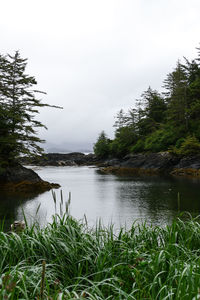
[
  {"x": 154, "y": 163},
  {"x": 188, "y": 166},
  {"x": 18, "y": 178},
  {"x": 151, "y": 163},
  {"x": 59, "y": 159}
]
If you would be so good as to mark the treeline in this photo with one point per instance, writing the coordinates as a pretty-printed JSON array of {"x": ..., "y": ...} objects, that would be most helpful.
[{"x": 167, "y": 121}]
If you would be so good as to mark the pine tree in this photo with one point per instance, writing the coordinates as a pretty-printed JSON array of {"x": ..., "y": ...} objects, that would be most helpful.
[
  {"x": 193, "y": 73},
  {"x": 101, "y": 147},
  {"x": 18, "y": 107},
  {"x": 176, "y": 86},
  {"x": 151, "y": 111}
]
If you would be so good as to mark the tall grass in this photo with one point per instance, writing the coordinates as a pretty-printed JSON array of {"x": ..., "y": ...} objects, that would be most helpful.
[{"x": 69, "y": 260}]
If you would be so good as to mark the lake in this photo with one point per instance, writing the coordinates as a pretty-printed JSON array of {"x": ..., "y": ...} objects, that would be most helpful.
[{"x": 113, "y": 199}]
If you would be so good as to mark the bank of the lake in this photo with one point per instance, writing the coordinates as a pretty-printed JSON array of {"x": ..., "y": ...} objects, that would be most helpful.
[
  {"x": 142, "y": 163},
  {"x": 111, "y": 198},
  {"x": 68, "y": 260},
  {"x": 17, "y": 178}
]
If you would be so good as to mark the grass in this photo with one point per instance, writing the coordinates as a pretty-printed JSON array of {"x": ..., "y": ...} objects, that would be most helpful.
[{"x": 69, "y": 260}]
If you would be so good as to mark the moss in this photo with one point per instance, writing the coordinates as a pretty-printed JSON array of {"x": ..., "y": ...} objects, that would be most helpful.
[
  {"x": 186, "y": 172},
  {"x": 129, "y": 171},
  {"x": 28, "y": 186},
  {"x": 122, "y": 171}
]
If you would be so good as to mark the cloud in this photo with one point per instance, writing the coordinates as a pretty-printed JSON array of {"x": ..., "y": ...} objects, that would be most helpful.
[{"x": 95, "y": 57}]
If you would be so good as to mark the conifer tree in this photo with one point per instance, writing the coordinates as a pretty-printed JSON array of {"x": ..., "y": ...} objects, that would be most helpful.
[
  {"x": 18, "y": 107},
  {"x": 176, "y": 85},
  {"x": 101, "y": 147}
]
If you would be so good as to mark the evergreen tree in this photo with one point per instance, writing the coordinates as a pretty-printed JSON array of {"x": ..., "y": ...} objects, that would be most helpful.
[
  {"x": 152, "y": 113},
  {"x": 18, "y": 107},
  {"x": 176, "y": 86},
  {"x": 160, "y": 122},
  {"x": 121, "y": 120},
  {"x": 193, "y": 112},
  {"x": 125, "y": 133},
  {"x": 101, "y": 147}
]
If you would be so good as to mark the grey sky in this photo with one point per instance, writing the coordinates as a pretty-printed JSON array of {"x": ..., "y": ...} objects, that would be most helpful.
[{"x": 95, "y": 57}]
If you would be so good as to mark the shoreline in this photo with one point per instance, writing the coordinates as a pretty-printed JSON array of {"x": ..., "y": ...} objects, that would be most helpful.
[{"x": 162, "y": 163}]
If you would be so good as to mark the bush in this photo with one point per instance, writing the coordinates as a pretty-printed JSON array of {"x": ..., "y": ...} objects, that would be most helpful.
[
  {"x": 138, "y": 147},
  {"x": 190, "y": 145},
  {"x": 160, "y": 140},
  {"x": 179, "y": 142}
]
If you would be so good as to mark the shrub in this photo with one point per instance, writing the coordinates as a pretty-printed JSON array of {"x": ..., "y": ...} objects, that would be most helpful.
[
  {"x": 179, "y": 142},
  {"x": 160, "y": 140},
  {"x": 190, "y": 145},
  {"x": 138, "y": 147}
]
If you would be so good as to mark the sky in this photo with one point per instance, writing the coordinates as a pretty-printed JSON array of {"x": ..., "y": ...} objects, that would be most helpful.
[{"x": 94, "y": 57}]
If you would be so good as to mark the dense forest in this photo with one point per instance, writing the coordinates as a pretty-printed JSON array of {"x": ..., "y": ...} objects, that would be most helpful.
[{"x": 160, "y": 121}]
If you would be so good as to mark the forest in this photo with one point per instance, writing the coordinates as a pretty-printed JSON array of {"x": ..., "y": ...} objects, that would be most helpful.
[{"x": 160, "y": 121}]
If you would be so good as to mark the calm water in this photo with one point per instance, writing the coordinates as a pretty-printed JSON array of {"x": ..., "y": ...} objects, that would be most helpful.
[{"x": 120, "y": 200}]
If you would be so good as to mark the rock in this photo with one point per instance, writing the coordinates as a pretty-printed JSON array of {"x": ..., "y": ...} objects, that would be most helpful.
[
  {"x": 189, "y": 162},
  {"x": 188, "y": 166},
  {"x": 18, "y": 178},
  {"x": 59, "y": 159},
  {"x": 18, "y": 226},
  {"x": 154, "y": 163},
  {"x": 150, "y": 163}
]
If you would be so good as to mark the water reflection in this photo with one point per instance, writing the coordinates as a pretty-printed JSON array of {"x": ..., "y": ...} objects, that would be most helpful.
[
  {"x": 155, "y": 198},
  {"x": 11, "y": 205},
  {"x": 120, "y": 200}
]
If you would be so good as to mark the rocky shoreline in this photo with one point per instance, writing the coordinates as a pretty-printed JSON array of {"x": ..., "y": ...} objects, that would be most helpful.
[
  {"x": 59, "y": 159},
  {"x": 152, "y": 163},
  {"x": 17, "y": 178},
  {"x": 20, "y": 179},
  {"x": 155, "y": 163}
]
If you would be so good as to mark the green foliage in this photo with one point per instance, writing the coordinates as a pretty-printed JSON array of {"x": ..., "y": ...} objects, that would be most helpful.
[
  {"x": 69, "y": 260},
  {"x": 160, "y": 140},
  {"x": 138, "y": 147},
  {"x": 179, "y": 142},
  {"x": 102, "y": 146},
  {"x": 154, "y": 105},
  {"x": 189, "y": 146},
  {"x": 161, "y": 122},
  {"x": 125, "y": 138},
  {"x": 18, "y": 107}
]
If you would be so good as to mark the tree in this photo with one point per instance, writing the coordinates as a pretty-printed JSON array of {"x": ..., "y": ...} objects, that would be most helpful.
[
  {"x": 192, "y": 70},
  {"x": 152, "y": 110},
  {"x": 18, "y": 107},
  {"x": 101, "y": 147},
  {"x": 125, "y": 133},
  {"x": 121, "y": 120},
  {"x": 176, "y": 85}
]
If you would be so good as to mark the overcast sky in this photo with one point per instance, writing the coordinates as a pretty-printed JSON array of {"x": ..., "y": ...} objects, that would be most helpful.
[{"x": 94, "y": 57}]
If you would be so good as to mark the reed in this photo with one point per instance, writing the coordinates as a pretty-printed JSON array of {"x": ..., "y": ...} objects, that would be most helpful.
[{"x": 69, "y": 260}]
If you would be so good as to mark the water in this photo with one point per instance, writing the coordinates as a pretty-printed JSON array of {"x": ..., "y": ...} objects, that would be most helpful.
[{"x": 118, "y": 200}]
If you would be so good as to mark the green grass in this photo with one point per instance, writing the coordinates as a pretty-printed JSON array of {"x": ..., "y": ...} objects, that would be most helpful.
[{"x": 69, "y": 260}]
